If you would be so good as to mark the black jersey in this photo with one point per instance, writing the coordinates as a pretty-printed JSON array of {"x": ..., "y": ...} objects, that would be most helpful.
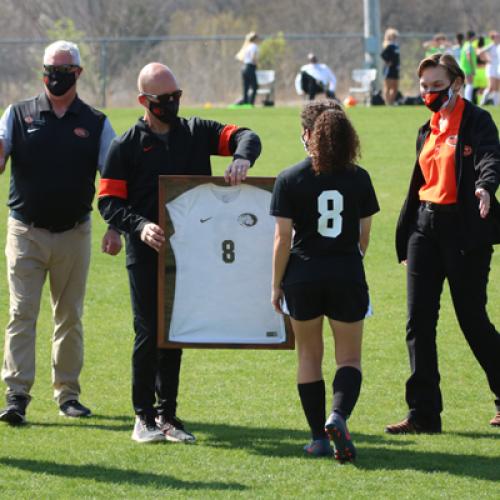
[
  {"x": 326, "y": 210},
  {"x": 391, "y": 57}
]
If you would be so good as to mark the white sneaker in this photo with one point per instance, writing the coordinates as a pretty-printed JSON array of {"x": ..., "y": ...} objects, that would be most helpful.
[
  {"x": 146, "y": 431},
  {"x": 174, "y": 430}
]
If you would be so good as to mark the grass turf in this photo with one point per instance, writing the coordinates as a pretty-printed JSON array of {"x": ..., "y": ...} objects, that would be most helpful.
[{"x": 243, "y": 405}]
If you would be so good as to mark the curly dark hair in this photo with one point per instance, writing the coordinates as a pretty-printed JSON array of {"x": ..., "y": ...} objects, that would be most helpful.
[
  {"x": 334, "y": 143},
  {"x": 313, "y": 109}
]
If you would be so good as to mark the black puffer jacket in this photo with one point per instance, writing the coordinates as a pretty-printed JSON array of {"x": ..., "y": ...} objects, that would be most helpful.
[{"x": 477, "y": 163}]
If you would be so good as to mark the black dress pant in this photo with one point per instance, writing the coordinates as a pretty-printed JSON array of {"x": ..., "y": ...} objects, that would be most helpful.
[
  {"x": 249, "y": 76},
  {"x": 155, "y": 372},
  {"x": 433, "y": 255}
]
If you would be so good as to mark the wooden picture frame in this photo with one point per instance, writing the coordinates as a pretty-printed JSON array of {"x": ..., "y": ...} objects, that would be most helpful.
[{"x": 170, "y": 188}]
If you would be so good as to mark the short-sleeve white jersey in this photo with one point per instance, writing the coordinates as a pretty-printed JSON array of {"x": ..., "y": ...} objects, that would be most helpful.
[{"x": 223, "y": 244}]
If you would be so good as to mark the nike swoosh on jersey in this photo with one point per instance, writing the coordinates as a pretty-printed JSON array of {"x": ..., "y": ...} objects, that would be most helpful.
[
  {"x": 205, "y": 220},
  {"x": 147, "y": 148}
]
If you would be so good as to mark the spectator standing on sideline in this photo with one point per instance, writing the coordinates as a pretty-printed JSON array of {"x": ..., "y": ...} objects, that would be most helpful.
[
  {"x": 56, "y": 143},
  {"x": 456, "y": 49},
  {"x": 326, "y": 204},
  {"x": 248, "y": 55},
  {"x": 446, "y": 229},
  {"x": 439, "y": 43},
  {"x": 468, "y": 63},
  {"x": 480, "y": 82},
  {"x": 390, "y": 56},
  {"x": 315, "y": 78},
  {"x": 161, "y": 143},
  {"x": 492, "y": 53}
]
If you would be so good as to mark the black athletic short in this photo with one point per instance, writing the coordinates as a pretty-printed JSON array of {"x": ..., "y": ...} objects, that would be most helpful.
[
  {"x": 391, "y": 73},
  {"x": 340, "y": 301}
]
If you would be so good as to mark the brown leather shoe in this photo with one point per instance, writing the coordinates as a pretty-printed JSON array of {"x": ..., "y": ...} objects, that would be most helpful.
[
  {"x": 496, "y": 420},
  {"x": 408, "y": 426}
]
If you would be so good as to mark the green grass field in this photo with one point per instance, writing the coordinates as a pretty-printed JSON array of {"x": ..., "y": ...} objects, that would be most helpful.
[{"x": 243, "y": 405}]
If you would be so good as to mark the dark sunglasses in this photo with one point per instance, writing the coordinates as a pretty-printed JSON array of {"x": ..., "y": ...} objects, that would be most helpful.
[
  {"x": 61, "y": 68},
  {"x": 163, "y": 98}
]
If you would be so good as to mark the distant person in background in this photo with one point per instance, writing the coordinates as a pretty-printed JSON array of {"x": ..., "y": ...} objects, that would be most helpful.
[
  {"x": 480, "y": 81},
  {"x": 248, "y": 55},
  {"x": 390, "y": 56},
  {"x": 439, "y": 43},
  {"x": 456, "y": 49},
  {"x": 315, "y": 78},
  {"x": 468, "y": 63},
  {"x": 492, "y": 53}
]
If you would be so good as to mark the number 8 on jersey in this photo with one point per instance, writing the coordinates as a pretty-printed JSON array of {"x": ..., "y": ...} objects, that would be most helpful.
[{"x": 330, "y": 206}]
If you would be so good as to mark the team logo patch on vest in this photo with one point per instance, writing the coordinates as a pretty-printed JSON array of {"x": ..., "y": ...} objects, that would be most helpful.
[
  {"x": 81, "y": 132},
  {"x": 452, "y": 140},
  {"x": 28, "y": 120},
  {"x": 467, "y": 150},
  {"x": 247, "y": 220}
]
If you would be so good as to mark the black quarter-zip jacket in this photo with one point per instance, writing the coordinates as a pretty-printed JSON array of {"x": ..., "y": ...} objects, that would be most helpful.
[
  {"x": 128, "y": 194},
  {"x": 477, "y": 163}
]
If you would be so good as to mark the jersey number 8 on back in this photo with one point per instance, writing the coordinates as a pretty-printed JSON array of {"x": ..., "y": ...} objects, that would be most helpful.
[{"x": 330, "y": 206}]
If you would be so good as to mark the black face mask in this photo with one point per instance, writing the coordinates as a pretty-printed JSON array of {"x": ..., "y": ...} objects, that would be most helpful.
[
  {"x": 59, "y": 83},
  {"x": 166, "y": 112},
  {"x": 436, "y": 99}
]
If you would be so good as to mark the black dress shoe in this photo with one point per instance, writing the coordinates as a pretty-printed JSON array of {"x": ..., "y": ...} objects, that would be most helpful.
[
  {"x": 74, "y": 409},
  {"x": 15, "y": 412}
]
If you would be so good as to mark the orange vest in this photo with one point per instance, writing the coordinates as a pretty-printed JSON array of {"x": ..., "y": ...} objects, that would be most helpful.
[{"x": 437, "y": 159}]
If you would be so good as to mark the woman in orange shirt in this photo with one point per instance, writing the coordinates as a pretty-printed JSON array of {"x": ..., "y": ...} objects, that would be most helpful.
[{"x": 448, "y": 224}]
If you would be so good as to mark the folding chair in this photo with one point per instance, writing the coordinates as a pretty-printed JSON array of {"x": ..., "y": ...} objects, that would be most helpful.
[
  {"x": 365, "y": 78},
  {"x": 266, "y": 80}
]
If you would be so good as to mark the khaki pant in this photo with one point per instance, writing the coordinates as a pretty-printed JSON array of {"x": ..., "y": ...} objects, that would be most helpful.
[{"x": 31, "y": 253}]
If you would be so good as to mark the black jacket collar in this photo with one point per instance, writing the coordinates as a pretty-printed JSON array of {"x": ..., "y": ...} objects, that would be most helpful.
[{"x": 46, "y": 106}]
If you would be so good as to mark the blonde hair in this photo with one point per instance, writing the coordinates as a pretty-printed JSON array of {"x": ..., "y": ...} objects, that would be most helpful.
[
  {"x": 389, "y": 36},
  {"x": 249, "y": 38}
]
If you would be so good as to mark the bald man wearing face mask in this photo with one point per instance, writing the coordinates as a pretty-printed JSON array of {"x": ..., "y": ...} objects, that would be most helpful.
[{"x": 160, "y": 143}]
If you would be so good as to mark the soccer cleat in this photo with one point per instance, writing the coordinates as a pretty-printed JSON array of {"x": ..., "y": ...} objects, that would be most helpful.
[
  {"x": 146, "y": 430},
  {"x": 408, "y": 426},
  {"x": 74, "y": 409},
  {"x": 495, "y": 421},
  {"x": 174, "y": 430},
  {"x": 318, "y": 448},
  {"x": 336, "y": 428},
  {"x": 15, "y": 412}
]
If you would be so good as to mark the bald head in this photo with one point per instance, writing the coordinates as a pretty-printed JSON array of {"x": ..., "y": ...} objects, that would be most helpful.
[{"x": 156, "y": 78}]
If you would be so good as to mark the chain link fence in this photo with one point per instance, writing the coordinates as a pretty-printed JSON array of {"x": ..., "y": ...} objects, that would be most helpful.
[{"x": 205, "y": 67}]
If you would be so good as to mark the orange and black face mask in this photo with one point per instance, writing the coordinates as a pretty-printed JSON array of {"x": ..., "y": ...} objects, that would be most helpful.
[{"x": 436, "y": 99}]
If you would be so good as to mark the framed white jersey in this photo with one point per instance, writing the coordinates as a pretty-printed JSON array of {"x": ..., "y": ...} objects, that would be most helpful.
[{"x": 215, "y": 268}]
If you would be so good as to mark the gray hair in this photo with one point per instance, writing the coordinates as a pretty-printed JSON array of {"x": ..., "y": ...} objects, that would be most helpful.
[{"x": 63, "y": 46}]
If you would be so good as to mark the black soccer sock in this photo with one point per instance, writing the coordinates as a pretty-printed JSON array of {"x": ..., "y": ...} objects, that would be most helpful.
[
  {"x": 312, "y": 397},
  {"x": 346, "y": 387}
]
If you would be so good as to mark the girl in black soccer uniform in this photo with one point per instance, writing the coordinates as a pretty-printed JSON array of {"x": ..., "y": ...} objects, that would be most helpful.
[
  {"x": 390, "y": 56},
  {"x": 328, "y": 201}
]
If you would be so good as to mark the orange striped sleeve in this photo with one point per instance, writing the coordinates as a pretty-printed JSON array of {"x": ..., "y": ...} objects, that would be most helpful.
[
  {"x": 224, "y": 138},
  {"x": 113, "y": 187}
]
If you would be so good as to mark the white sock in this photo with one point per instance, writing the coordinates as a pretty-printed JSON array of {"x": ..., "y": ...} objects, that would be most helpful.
[
  {"x": 469, "y": 91},
  {"x": 496, "y": 98}
]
